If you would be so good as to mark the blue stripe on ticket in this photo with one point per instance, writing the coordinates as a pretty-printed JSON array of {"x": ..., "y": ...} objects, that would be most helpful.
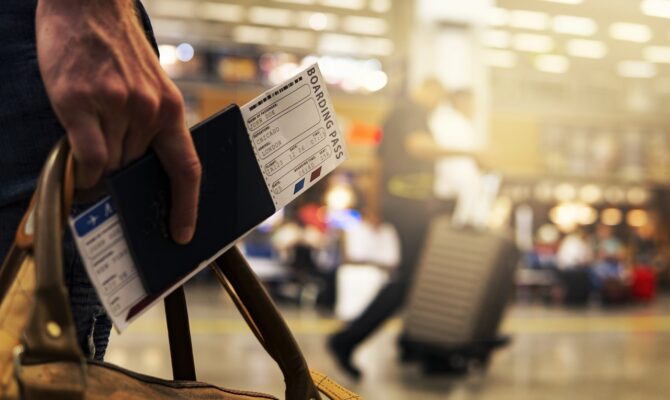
[
  {"x": 94, "y": 217},
  {"x": 298, "y": 186}
]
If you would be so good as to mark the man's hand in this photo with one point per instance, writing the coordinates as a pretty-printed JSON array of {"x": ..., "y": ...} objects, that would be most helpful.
[{"x": 114, "y": 100}]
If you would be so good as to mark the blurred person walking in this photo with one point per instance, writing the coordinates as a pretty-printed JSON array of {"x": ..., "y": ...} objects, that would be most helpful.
[
  {"x": 88, "y": 70},
  {"x": 407, "y": 152}
]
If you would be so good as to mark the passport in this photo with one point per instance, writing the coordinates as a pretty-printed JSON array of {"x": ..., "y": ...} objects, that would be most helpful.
[{"x": 233, "y": 200}]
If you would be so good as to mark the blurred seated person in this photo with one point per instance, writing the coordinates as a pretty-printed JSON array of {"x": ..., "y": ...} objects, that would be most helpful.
[
  {"x": 575, "y": 251},
  {"x": 610, "y": 255},
  {"x": 296, "y": 241},
  {"x": 311, "y": 249},
  {"x": 545, "y": 247},
  {"x": 373, "y": 242},
  {"x": 573, "y": 260},
  {"x": 610, "y": 274},
  {"x": 647, "y": 261}
]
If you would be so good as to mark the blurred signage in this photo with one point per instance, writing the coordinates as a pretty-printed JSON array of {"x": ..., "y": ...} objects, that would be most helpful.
[
  {"x": 364, "y": 134},
  {"x": 237, "y": 69}
]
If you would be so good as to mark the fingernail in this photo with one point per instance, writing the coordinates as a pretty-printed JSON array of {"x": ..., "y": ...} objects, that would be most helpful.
[{"x": 184, "y": 235}]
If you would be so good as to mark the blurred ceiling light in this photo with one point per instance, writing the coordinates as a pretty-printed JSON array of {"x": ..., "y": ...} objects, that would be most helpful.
[
  {"x": 340, "y": 197},
  {"x": 497, "y": 16},
  {"x": 563, "y": 217},
  {"x": 656, "y": 8},
  {"x": 348, "y": 4},
  {"x": 630, "y": 32},
  {"x": 611, "y": 216},
  {"x": 567, "y": 216},
  {"x": 167, "y": 54},
  {"x": 282, "y": 72},
  {"x": 253, "y": 34},
  {"x": 316, "y": 21},
  {"x": 636, "y": 69},
  {"x": 500, "y": 58},
  {"x": 547, "y": 233},
  {"x": 376, "y": 81},
  {"x": 525, "y": 19},
  {"x": 270, "y": 16},
  {"x": 377, "y": 46},
  {"x": 637, "y": 218},
  {"x": 572, "y": 25},
  {"x": 637, "y": 196},
  {"x": 585, "y": 48},
  {"x": 565, "y": 192},
  {"x": 350, "y": 74},
  {"x": 614, "y": 195},
  {"x": 533, "y": 43},
  {"x": 364, "y": 25},
  {"x": 552, "y": 63},
  {"x": 590, "y": 194},
  {"x": 295, "y": 38},
  {"x": 380, "y": 6},
  {"x": 586, "y": 215},
  {"x": 171, "y": 8},
  {"x": 496, "y": 38},
  {"x": 184, "y": 52},
  {"x": 220, "y": 12},
  {"x": 566, "y": 1},
  {"x": 657, "y": 54},
  {"x": 338, "y": 43}
]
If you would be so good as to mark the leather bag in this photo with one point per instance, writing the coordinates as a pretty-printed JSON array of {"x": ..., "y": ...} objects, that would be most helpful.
[{"x": 39, "y": 355}]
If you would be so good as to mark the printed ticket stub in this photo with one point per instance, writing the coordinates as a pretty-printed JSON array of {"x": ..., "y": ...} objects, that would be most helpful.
[
  {"x": 104, "y": 251},
  {"x": 293, "y": 131},
  {"x": 294, "y": 134}
]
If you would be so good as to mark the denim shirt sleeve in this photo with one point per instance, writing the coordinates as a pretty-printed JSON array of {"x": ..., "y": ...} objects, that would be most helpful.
[{"x": 28, "y": 125}]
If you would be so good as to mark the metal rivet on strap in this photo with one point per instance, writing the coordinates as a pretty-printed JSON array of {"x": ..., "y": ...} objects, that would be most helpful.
[{"x": 53, "y": 329}]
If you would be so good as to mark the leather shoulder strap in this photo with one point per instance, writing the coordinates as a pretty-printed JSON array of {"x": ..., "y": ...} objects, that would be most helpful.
[
  {"x": 271, "y": 330},
  {"x": 50, "y": 333}
]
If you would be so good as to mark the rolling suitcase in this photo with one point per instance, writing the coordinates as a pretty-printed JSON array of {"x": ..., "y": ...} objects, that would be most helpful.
[{"x": 463, "y": 282}]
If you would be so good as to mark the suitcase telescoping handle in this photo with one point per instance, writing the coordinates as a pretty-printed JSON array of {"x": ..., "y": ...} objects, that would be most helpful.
[{"x": 51, "y": 335}]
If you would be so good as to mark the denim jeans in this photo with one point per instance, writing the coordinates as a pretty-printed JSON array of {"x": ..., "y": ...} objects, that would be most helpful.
[{"x": 28, "y": 130}]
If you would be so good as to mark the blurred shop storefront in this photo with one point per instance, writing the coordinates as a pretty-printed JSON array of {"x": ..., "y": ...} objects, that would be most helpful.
[{"x": 556, "y": 104}]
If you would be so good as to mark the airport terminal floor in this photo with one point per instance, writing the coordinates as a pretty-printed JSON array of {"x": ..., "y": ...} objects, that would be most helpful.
[{"x": 555, "y": 353}]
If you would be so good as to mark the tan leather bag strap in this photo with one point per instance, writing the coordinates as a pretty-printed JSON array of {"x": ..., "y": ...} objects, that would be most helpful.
[
  {"x": 269, "y": 327},
  {"x": 50, "y": 333},
  {"x": 10, "y": 268}
]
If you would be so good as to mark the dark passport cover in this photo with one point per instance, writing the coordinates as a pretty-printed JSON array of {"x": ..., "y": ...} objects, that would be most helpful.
[{"x": 233, "y": 200}]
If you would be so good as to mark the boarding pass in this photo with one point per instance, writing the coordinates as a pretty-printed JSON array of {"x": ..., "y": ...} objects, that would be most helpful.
[{"x": 295, "y": 137}]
